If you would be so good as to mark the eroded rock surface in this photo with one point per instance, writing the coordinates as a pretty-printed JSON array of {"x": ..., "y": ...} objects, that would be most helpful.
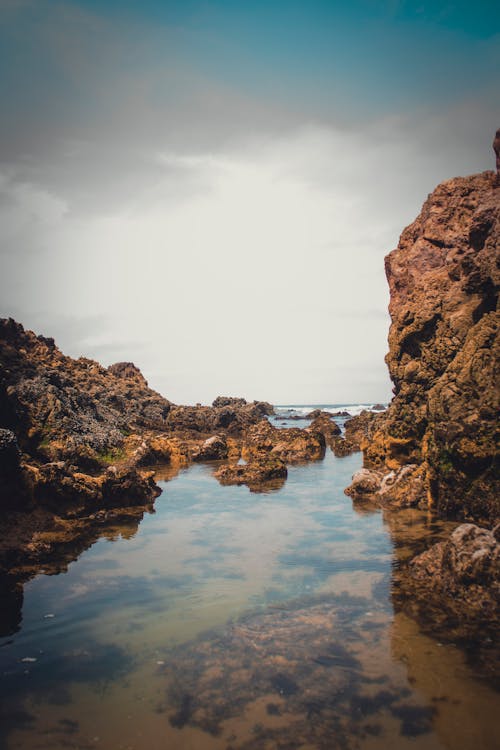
[{"x": 443, "y": 353}]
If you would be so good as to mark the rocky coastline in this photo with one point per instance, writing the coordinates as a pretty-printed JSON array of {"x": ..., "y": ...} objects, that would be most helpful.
[{"x": 80, "y": 444}]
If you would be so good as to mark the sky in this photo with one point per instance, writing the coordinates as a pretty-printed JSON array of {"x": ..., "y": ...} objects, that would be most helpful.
[{"x": 208, "y": 189}]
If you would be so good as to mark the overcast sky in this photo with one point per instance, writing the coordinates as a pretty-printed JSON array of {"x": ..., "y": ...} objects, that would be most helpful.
[{"x": 209, "y": 189}]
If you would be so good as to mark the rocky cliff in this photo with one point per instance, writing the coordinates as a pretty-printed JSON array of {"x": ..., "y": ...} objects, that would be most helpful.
[{"x": 438, "y": 442}]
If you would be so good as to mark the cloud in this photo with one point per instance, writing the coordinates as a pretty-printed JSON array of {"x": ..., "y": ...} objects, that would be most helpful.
[{"x": 154, "y": 211}]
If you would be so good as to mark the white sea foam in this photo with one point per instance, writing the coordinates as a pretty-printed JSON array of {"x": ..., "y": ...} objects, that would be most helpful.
[{"x": 299, "y": 410}]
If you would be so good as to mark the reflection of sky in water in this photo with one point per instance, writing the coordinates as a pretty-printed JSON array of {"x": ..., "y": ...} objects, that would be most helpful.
[
  {"x": 99, "y": 636},
  {"x": 208, "y": 553}
]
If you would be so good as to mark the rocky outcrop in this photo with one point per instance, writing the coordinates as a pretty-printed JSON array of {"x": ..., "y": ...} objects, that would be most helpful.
[
  {"x": 466, "y": 566},
  {"x": 357, "y": 433},
  {"x": 233, "y": 418},
  {"x": 259, "y": 474},
  {"x": 214, "y": 448},
  {"x": 64, "y": 408},
  {"x": 443, "y": 352},
  {"x": 291, "y": 445},
  {"x": 324, "y": 423}
]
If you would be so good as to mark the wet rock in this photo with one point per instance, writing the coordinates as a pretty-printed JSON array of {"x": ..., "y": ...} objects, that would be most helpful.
[
  {"x": 290, "y": 445},
  {"x": 257, "y": 473},
  {"x": 358, "y": 429},
  {"x": 364, "y": 482},
  {"x": 213, "y": 449},
  {"x": 342, "y": 447},
  {"x": 455, "y": 585},
  {"x": 324, "y": 423}
]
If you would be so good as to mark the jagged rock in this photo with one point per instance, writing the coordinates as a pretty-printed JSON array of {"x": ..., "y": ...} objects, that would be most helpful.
[
  {"x": 256, "y": 474},
  {"x": 10, "y": 455},
  {"x": 462, "y": 572},
  {"x": 128, "y": 371},
  {"x": 342, "y": 447},
  {"x": 443, "y": 351},
  {"x": 290, "y": 445},
  {"x": 57, "y": 487},
  {"x": 14, "y": 491},
  {"x": 228, "y": 401},
  {"x": 213, "y": 449},
  {"x": 364, "y": 482},
  {"x": 358, "y": 429},
  {"x": 324, "y": 423},
  {"x": 60, "y": 407}
]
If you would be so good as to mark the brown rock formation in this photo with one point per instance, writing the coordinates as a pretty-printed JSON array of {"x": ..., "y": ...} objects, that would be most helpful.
[
  {"x": 259, "y": 474},
  {"x": 67, "y": 408},
  {"x": 465, "y": 567},
  {"x": 291, "y": 445},
  {"x": 443, "y": 352}
]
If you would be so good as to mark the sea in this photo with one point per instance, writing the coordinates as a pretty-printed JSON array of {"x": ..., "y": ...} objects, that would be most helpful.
[{"x": 236, "y": 620}]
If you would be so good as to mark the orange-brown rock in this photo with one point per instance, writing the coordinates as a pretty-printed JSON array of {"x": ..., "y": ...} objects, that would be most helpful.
[
  {"x": 214, "y": 448},
  {"x": 66, "y": 408},
  {"x": 443, "y": 351},
  {"x": 291, "y": 445},
  {"x": 324, "y": 423},
  {"x": 260, "y": 473},
  {"x": 358, "y": 432},
  {"x": 462, "y": 574}
]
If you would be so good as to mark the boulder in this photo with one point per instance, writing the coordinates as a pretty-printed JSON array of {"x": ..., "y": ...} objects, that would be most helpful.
[
  {"x": 463, "y": 572},
  {"x": 257, "y": 474},
  {"x": 290, "y": 445},
  {"x": 364, "y": 482},
  {"x": 214, "y": 448}
]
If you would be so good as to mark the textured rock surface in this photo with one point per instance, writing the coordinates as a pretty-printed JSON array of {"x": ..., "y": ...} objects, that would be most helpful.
[
  {"x": 291, "y": 445},
  {"x": 462, "y": 574},
  {"x": 443, "y": 351},
  {"x": 46, "y": 397},
  {"x": 258, "y": 474}
]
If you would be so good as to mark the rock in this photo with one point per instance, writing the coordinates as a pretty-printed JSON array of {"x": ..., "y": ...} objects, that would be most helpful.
[
  {"x": 59, "y": 407},
  {"x": 291, "y": 445},
  {"x": 364, "y": 482},
  {"x": 496, "y": 149},
  {"x": 256, "y": 474},
  {"x": 358, "y": 429},
  {"x": 443, "y": 352},
  {"x": 213, "y": 449},
  {"x": 462, "y": 573},
  {"x": 342, "y": 447},
  {"x": 379, "y": 407},
  {"x": 10, "y": 455},
  {"x": 324, "y": 423},
  {"x": 128, "y": 371},
  {"x": 228, "y": 401},
  {"x": 14, "y": 489}
]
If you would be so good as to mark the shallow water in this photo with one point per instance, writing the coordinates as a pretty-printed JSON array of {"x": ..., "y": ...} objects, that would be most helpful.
[{"x": 240, "y": 620}]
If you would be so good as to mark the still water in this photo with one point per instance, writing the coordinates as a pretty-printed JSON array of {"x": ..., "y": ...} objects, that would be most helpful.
[{"x": 234, "y": 620}]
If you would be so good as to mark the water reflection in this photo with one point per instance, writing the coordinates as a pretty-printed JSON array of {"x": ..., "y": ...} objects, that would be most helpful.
[{"x": 236, "y": 620}]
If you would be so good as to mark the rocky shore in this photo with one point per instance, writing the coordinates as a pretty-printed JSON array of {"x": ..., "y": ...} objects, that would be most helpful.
[
  {"x": 80, "y": 443},
  {"x": 80, "y": 447}
]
